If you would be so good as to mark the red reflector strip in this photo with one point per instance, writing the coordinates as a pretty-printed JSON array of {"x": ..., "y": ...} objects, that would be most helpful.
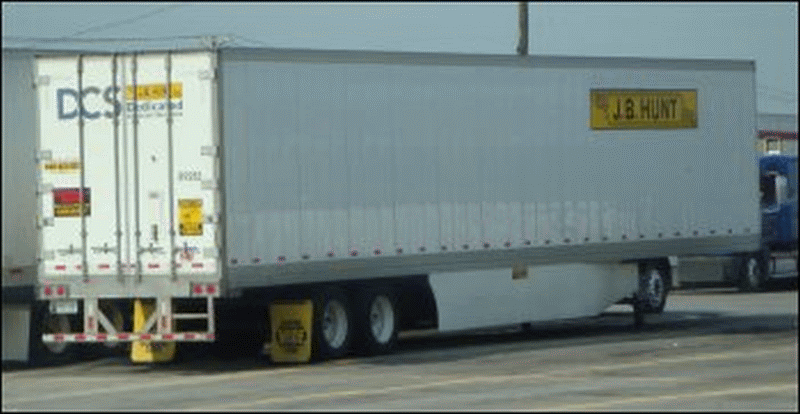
[
  {"x": 127, "y": 337},
  {"x": 104, "y": 266},
  {"x": 197, "y": 265},
  {"x": 153, "y": 266},
  {"x": 61, "y": 267}
]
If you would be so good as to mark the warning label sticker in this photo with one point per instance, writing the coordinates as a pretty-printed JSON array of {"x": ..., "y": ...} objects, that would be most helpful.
[
  {"x": 190, "y": 216},
  {"x": 291, "y": 335},
  {"x": 62, "y": 166},
  {"x": 67, "y": 202}
]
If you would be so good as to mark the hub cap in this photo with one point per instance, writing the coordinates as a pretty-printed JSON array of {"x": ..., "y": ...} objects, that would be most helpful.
[
  {"x": 334, "y": 324},
  {"x": 753, "y": 272},
  {"x": 56, "y": 324},
  {"x": 655, "y": 289},
  {"x": 381, "y": 319}
]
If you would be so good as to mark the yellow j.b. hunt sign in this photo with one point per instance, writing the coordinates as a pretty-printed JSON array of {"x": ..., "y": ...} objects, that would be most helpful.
[{"x": 643, "y": 109}]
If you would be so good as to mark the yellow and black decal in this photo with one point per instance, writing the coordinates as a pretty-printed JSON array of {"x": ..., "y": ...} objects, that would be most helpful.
[
  {"x": 62, "y": 166},
  {"x": 67, "y": 202},
  {"x": 155, "y": 92},
  {"x": 643, "y": 109},
  {"x": 291, "y": 324},
  {"x": 190, "y": 216}
]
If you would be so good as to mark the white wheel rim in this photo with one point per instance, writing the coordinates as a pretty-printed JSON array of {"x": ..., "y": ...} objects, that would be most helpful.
[
  {"x": 655, "y": 288},
  {"x": 57, "y": 324},
  {"x": 381, "y": 319},
  {"x": 334, "y": 324},
  {"x": 752, "y": 271}
]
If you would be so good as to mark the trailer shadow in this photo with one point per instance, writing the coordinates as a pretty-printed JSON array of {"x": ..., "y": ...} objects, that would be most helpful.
[
  {"x": 613, "y": 326},
  {"x": 608, "y": 328}
]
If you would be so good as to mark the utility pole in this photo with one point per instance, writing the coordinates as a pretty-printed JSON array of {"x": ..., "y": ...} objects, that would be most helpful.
[{"x": 522, "y": 46}]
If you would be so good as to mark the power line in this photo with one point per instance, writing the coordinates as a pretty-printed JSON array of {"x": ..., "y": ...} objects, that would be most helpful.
[
  {"x": 126, "y": 21},
  {"x": 258, "y": 42},
  {"x": 105, "y": 39}
]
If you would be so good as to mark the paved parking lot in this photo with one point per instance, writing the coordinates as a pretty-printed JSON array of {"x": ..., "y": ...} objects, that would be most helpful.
[{"x": 712, "y": 349}]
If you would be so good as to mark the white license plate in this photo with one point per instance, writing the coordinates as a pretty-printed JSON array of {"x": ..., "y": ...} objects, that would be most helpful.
[{"x": 64, "y": 307}]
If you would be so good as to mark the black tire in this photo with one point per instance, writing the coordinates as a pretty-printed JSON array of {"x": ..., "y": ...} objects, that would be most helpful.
[
  {"x": 654, "y": 285},
  {"x": 753, "y": 272},
  {"x": 42, "y": 322},
  {"x": 377, "y": 319},
  {"x": 333, "y": 324}
]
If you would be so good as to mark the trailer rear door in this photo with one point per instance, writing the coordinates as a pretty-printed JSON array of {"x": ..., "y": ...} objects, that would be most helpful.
[{"x": 127, "y": 178}]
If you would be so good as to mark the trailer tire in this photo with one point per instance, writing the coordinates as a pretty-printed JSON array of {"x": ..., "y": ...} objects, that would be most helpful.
[
  {"x": 333, "y": 324},
  {"x": 753, "y": 272},
  {"x": 376, "y": 321},
  {"x": 654, "y": 284},
  {"x": 121, "y": 322},
  {"x": 43, "y": 354}
]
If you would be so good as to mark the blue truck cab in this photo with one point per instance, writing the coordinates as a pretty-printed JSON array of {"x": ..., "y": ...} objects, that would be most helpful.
[{"x": 778, "y": 185}]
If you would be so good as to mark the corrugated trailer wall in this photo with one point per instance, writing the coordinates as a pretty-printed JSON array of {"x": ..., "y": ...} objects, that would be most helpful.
[{"x": 333, "y": 156}]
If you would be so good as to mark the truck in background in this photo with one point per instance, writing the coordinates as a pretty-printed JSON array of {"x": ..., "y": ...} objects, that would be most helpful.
[
  {"x": 396, "y": 191},
  {"x": 777, "y": 133},
  {"x": 776, "y": 261}
]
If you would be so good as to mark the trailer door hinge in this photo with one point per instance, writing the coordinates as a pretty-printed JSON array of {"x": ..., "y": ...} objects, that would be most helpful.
[
  {"x": 72, "y": 250},
  {"x": 104, "y": 249},
  {"x": 44, "y": 188},
  {"x": 151, "y": 249},
  {"x": 206, "y": 74},
  {"x": 210, "y": 150}
]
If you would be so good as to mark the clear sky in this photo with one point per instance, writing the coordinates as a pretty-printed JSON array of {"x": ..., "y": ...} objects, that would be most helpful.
[{"x": 766, "y": 32}]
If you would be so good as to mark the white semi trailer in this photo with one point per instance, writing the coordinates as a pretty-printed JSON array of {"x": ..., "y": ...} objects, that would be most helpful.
[{"x": 394, "y": 190}]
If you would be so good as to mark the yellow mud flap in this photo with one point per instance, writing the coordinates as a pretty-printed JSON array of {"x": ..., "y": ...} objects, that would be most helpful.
[
  {"x": 291, "y": 331},
  {"x": 148, "y": 351}
]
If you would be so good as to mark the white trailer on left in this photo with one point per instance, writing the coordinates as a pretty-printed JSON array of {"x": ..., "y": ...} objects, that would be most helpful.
[{"x": 24, "y": 318}]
